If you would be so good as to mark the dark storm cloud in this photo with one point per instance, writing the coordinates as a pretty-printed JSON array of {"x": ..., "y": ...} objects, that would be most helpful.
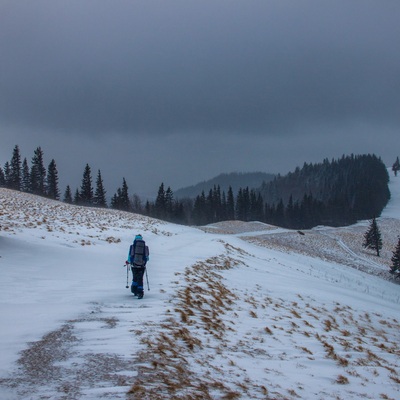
[{"x": 176, "y": 66}]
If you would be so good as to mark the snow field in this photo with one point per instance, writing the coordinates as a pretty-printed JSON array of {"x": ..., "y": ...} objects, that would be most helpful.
[{"x": 239, "y": 311}]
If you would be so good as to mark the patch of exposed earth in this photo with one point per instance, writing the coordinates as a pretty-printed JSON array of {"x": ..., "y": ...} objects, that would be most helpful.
[{"x": 72, "y": 362}]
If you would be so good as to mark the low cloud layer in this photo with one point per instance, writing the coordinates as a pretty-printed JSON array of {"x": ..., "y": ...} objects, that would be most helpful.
[{"x": 321, "y": 78}]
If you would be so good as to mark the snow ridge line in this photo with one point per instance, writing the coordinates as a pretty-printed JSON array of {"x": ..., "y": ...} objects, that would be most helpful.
[
  {"x": 196, "y": 354},
  {"x": 167, "y": 365}
]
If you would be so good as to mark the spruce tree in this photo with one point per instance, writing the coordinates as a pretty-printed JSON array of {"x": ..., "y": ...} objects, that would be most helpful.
[
  {"x": 26, "y": 177},
  {"x": 241, "y": 205},
  {"x": 38, "y": 173},
  {"x": 230, "y": 205},
  {"x": 120, "y": 200},
  {"x": 159, "y": 206},
  {"x": 199, "y": 214},
  {"x": 210, "y": 207},
  {"x": 68, "y": 195},
  {"x": 100, "y": 193},
  {"x": 372, "y": 238},
  {"x": 114, "y": 201},
  {"x": 52, "y": 190},
  {"x": 86, "y": 192},
  {"x": 124, "y": 197},
  {"x": 216, "y": 204},
  {"x": 169, "y": 203},
  {"x": 15, "y": 170},
  {"x": 77, "y": 197},
  {"x": 395, "y": 267}
]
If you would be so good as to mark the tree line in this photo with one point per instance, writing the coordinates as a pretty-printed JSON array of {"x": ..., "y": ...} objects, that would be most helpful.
[
  {"x": 17, "y": 174},
  {"x": 35, "y": 179},
  {"x": 334, "y": 193}
]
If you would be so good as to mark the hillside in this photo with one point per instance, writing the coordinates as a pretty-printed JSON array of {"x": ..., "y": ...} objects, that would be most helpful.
[
  {"x": 236, "y": 180},
  {"x": 235, "y": 310}
]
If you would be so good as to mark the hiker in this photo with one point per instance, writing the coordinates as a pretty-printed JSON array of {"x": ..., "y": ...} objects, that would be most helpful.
[{"x": 137, "y": 258}]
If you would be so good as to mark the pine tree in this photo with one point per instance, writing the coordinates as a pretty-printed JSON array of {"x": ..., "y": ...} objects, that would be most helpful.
[
  {"x": 77, "y": 197},
  {"x": 120, "y": 200},
  {"x": 86, "y": 192},
  {"x": 15, "y": 170},
  {"x": 395, "y": 267},
  {"x": 372, "y": 238},
  {"x": 114, "y": 201},
  {"x": 210, "y": 207},
  {"x": 230, "y": 205},
  {"x": 243, "y": 204},
  {"x": 26, "y": 177},
  {"x": 100, "y": 193},
  {"x": 52, "y": 190},
  {"x": 159, "y": 206},
  {"x": 199, "y": 214},
  {"x": 68, "y": 195},
  {"x": 38, "y": 173},
  {"x": 256, "y": 212},
  {"x": 216, "y": 204},
  {"x": 124, "y": 197},
  {"x": 169, "y": 203}
]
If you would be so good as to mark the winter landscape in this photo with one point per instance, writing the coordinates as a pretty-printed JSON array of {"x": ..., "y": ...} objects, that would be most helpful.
[{"x": 231, "y": 311}]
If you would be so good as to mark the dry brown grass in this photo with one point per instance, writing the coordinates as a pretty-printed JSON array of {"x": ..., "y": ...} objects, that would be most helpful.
[
  {"x": 342, "y": 380},
  {"x": 199, "y": 305}
]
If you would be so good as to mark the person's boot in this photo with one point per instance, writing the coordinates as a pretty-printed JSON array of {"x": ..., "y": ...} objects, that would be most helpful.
[{"x": 134, "y": 289}]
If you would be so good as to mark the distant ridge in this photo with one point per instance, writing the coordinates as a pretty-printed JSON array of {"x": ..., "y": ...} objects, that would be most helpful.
[{"x": 236, "y": 180}]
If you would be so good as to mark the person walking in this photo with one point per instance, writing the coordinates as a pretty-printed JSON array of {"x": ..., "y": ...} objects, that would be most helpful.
[{"x": 137, "y": 259}]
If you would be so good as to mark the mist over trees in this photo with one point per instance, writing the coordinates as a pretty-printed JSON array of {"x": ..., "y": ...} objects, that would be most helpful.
[
  {"x": 334, "y": 193},
  {"x": 337, "y": 192}
]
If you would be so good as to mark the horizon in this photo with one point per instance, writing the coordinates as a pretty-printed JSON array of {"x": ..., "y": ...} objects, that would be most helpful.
[
  {"x": 180, "y": 92},
  {"x": 153, "y": 194}
]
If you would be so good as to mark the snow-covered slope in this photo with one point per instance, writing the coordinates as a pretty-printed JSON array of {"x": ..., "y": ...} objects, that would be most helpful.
[{"x": 234, "y": 310}]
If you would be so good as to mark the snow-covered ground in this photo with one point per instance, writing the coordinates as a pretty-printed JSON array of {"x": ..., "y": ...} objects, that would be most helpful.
[{"x": 234, "y": 310}]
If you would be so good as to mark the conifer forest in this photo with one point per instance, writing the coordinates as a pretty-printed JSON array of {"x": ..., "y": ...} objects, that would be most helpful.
[{"x": 334, "y": 193}]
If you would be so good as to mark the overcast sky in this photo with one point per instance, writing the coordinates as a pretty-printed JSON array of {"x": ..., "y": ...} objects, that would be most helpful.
[{"x": 180, "y": 91}]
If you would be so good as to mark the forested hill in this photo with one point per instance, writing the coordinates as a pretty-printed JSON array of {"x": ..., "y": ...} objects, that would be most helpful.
[
  {"x": 338, "y": 191},
  {"x": 235, "y": 179}
]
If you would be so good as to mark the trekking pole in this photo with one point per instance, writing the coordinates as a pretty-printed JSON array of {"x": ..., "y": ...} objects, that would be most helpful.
[
  {"x": 147, "y": 279},
  {"x": 127, "y": 276}
]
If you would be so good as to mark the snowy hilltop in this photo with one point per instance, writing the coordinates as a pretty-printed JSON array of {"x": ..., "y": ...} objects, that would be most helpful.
[{"x": 231, "y": 311}]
